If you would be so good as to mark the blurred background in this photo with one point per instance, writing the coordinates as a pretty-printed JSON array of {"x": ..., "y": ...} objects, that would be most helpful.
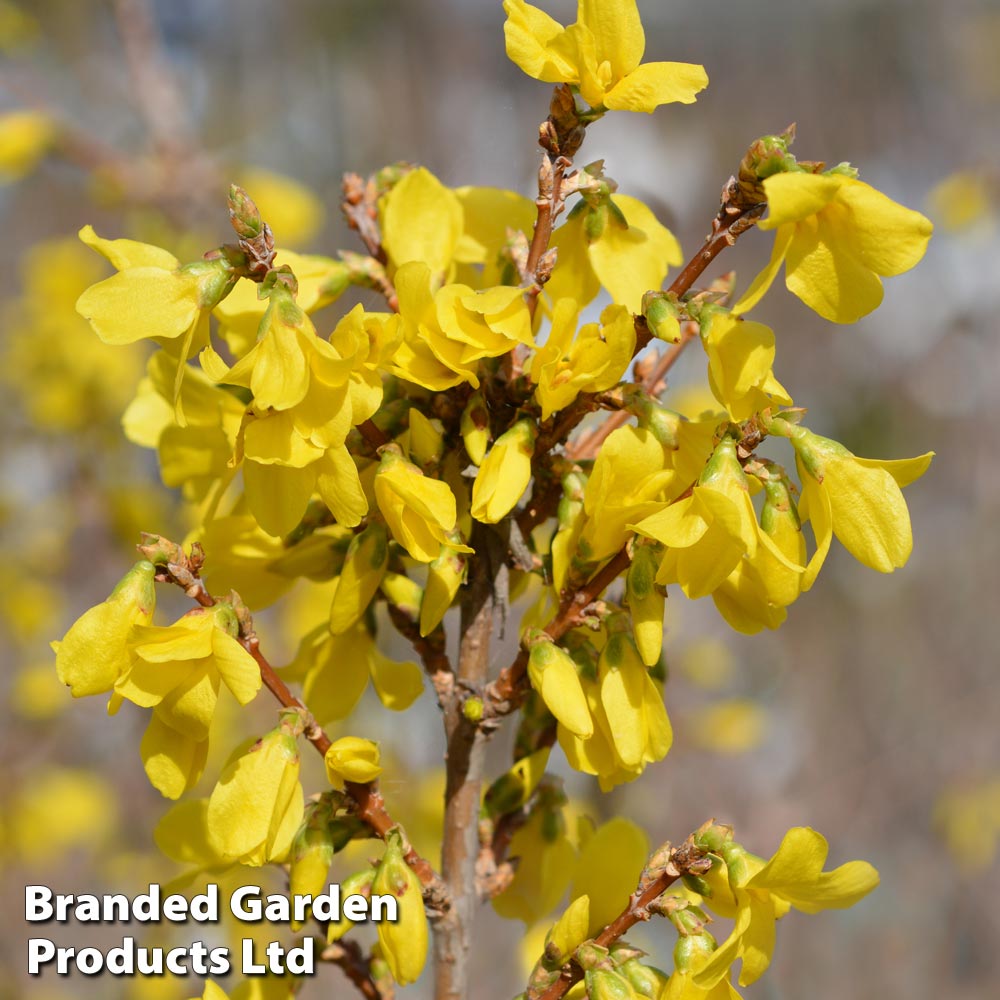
[{"x": 872, "y": 715}]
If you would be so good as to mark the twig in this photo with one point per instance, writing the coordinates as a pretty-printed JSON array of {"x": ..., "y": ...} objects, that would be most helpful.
[
  {"x": 686, "y": 858},
  {"x": 183, "y": 570},
  {"x": 347, "y": 956}
]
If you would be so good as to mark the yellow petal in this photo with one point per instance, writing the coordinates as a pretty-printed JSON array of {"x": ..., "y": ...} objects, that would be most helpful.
[
  {"x": 617, "y": 30},
  {"x": 528, "y": 33},
  {"x": 652, "y": 84},
  {"x": 422, "y": 221},
  {"x": 794, "y": 197}
]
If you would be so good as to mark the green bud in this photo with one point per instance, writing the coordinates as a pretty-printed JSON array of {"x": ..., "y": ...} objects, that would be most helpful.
[
  {"x": 243, "y": 214},
  {"x": 359, "y": 884},
  {"x": 692, "y": 951},
  {"x": 603, "y": 984},
  {"x": 472, "y": 709},
  {"x": 646, "y": 980},
  {"x": 662, "y": 316}
]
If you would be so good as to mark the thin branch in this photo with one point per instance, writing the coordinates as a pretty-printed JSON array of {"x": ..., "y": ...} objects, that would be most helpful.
[
  {"x": 682, "y": 860},
  {"x": 356, "y": 966},
  {"x": 431, "y": 650},
  {"x": 507, "y": 692},
  {"x": 176, "y": 567}
]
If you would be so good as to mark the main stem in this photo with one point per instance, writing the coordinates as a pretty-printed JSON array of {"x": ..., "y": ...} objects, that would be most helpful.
[{"x": 466, "y": 751}]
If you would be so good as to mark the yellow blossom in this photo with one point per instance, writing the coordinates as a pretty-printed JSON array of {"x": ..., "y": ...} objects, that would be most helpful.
[
  {"x": 600, "y": 53},
  {"x": 836, "y": 235},
  {"x": 352, "y": 759},
  {"x": 592, "y": 361},
  {"x": 505, "y": 473},
  {"x": 420, "y": 511},
  {"x": 25, "y": 137}
]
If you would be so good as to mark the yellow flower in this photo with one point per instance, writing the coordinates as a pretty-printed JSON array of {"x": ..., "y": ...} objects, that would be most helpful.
[
  {"x": 25, "y": 137},
  {"x": 420, "y": 511},
  {"x": 592, "y": 361},
  {"x": 179, "y": 669},
  {"x": 756, "y": 593},
  {"x": 857, "y": 499},
  {"x": 740, "y": 356},
  {"x": 93, "y": 654},
  {"x": 763, "y": 892},
  {"x": 707, "y": 533},
  {"x": 422, "y": 220},
  {"x": 504, "y": 475},
  {"x": 352, "y": 759},
  {"x": 600, "y": 53},
  {"x": 618, "y": 244},
  {"x": 256, "y": 807},
  {"x": 151, "y": 296},
  {"x": 836, "y": 235},
  {"x": 554, "y": 676},
  {"x": 403, "y": 941},
  {"x": 446, "y": 333}
]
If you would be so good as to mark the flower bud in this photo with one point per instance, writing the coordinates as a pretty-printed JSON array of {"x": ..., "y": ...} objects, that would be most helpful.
[
  {"x": 444, "y": 577},
  {"x": 646, "y": 980},
  {"x": 359, "y": 884},
  {"x": 353, "y": 759},
  {"x": 662, "y": 316},
  {"x": 646, "y": 603},
  {"x": 475, "y": 427},
  {"x": 426, "y": 439},
  {"x": 404, "y": 942},
  {"x": 554, "y": 676},
  {"x": 603, "y": 984},
  {"x": 504, "y": 474}
]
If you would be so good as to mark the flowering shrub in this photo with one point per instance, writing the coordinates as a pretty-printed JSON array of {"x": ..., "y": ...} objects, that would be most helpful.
[{"x": 488, "y": 439}]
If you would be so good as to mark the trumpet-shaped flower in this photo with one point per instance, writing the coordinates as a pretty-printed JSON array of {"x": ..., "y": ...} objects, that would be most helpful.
[
  {"x": 836, "y": 236},
  {"x": 179, "y": 669},
  {"x": 857, "y": 499},
  {"x": 762, "y": 892},
  {"x": 256, "y": 807},
  {"x": 707, "y": 533},
  {"x": 404, "y": 941},
  {"x": 420, "y": 511},
  {"x": 740, "y": 356},
  {"x": 505, "y": 473},
  {"x": 94, "y": 654},
  {"x": 600, "y": 54},
  {"x": 446, "y": 333},
  {"x": 618, "y": 244},
  {"x": 592, "y": 361},
  {"x": 152, "y": 296}
]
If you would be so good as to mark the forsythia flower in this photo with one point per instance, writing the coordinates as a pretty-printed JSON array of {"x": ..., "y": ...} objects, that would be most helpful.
[
  {"x": 152, "y": 296},
  {"x": 504, "y": 475},
  {"x": 592, "y": 361},
  {"x": 857, "y": 499},
  {"x": 446, "y": 333},
  {"x": 758, "y": 590},
  {"x": 362, "y": 572},
  {"x": 554, "y": 676},
  {"x": 93, "y": 654},
  {"x": 404, "y": 941},
  {"x": 420, "y": 511},
  {"x": 255, "y": 809},
  {"x": 836, "y": 235},
  {"x": 618, "y": 244},
  {"x": 352, "y": 759},
  {"x": 179, "y": 669},
  {"x": 759, "y": 893},
  {"x": 707, "y": 533},
  {"x": 600, "y": 53},
  {"x": 740, "y": 356},
  {"x": 336, "y": 669}
]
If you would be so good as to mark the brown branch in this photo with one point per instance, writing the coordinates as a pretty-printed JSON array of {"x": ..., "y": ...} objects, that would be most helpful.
[
  {"x": 431, "y": 650},
  {"x": 507, "y": 692},
  {"x": 682, "y": 860},
  {"x": 348, "y": 957},
  {"x": 373, "y": 434},
  {"x": 588, "y": 445},
  {"x": 483, "y": 597},
  {"x": 176, "y": 567},
  {"x": 153, "y": 85}
]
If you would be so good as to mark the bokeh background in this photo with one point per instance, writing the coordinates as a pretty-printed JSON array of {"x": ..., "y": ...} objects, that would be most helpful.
[{"x": 873, "y": 715}]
